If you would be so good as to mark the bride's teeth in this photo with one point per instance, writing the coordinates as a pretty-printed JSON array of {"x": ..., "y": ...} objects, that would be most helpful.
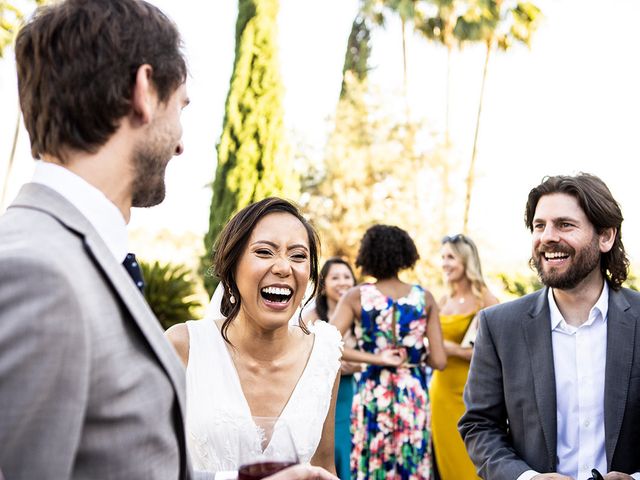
[{"x": 277, "y": 291}]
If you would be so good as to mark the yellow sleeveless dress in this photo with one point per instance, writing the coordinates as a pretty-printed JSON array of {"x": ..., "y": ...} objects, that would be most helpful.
[{"x": 447, "y": 406}]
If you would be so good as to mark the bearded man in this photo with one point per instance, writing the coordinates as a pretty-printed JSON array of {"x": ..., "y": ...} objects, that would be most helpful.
[{"x": 554, "y": 385}]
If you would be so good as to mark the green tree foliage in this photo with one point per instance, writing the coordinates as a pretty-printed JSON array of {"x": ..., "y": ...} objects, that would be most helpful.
[
  {"x": 11, "y": 18},
  {"x": 252, "y": 160},
  {"x": 519, "y": 285},
  {"x": 356, "y": 58},
  {"x": 375, "y": 172},
  {"x": 171, "y": 292}
]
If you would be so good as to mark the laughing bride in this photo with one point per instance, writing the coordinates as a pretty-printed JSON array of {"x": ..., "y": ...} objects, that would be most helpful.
[{"x": 249, "y": 361}]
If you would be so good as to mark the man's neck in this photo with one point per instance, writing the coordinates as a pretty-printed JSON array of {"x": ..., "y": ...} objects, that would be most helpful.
[
  {"x": 576, "y": 303},
  {"x": 106, "y": 170}
]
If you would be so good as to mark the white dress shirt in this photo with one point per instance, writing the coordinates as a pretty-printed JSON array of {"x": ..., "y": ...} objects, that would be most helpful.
[
  {"x": 579, "y": 360},
  {"x": 103, "y": 215}
]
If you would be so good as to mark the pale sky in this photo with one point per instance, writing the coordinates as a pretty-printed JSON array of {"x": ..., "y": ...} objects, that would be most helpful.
[{"x": 569, "y": 104}]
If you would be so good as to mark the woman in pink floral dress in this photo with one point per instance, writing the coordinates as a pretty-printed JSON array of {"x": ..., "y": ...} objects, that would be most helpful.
[{"x": 395, "y": 322}]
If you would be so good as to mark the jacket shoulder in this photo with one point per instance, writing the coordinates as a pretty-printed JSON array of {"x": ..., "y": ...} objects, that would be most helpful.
[{"x": 513, "y": 309}]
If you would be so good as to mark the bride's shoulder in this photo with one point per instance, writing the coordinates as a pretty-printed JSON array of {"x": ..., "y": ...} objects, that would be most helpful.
[
  {"x": 178, "y": 336},
  {"x": 328, "y": 340}
]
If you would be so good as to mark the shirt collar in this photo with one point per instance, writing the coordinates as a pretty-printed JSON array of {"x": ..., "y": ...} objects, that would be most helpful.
[
  {"x": 103, "y": 215},
  {"x": 599, "y": 310}
]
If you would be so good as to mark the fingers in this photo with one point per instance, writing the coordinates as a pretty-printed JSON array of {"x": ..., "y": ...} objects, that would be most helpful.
[
  {"x": 303, "y": 472},
  {"x": 617, "y": 476}
]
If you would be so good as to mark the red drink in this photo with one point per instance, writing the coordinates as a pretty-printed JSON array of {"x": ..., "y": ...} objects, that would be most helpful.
[{"x": 255, "y": 471}]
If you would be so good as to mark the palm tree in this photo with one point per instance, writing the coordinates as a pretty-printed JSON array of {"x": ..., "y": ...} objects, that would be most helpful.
[
  {"x": 406, "y": 9},
  {"x": 171, "y": 290},
  {"x": 498, "y": 24},
  {"x": 436, "y": 20}
]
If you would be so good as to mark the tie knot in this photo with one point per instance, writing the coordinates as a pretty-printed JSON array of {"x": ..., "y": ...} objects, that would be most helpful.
[{"x": 132, "y": 267}]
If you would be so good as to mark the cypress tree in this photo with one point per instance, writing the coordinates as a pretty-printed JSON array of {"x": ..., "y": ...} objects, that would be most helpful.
[{"x": 252, "y": 160}]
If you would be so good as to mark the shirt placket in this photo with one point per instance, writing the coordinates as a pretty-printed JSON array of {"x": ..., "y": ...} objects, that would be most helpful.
[{"x": 586, "y": 385}]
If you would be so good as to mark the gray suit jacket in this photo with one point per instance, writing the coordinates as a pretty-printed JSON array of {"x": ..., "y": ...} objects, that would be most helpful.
[
  {"x": 89, "y": 387},
  {"x": 510, "y": 423}
]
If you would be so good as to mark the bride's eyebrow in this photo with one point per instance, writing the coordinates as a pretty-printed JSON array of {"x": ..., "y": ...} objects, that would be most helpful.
[
  {"x": 275, "y": 245},
  {"x": 265, "y": 242}
]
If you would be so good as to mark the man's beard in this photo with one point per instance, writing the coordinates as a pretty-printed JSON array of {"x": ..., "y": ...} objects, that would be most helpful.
[
  {"x": 584, "y": 261},
  {"x": 150, "y": 161}
]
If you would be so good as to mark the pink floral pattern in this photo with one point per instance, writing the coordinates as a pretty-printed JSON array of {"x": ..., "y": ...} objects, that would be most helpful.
[{"x": 390, "y": 413}]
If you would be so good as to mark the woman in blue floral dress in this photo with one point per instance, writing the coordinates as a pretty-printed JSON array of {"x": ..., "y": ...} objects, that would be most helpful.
[{"x": 398, "y": 334}]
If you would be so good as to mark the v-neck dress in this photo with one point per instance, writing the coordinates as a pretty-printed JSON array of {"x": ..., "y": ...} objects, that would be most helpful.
[{"x": 219, "y": 422}]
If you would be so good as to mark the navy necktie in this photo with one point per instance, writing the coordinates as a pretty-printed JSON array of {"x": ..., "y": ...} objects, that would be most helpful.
[{"x": 132, "y": 267}]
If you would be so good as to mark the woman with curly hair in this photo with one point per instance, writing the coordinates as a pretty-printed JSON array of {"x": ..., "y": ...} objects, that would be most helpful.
[
  {"x": 468, "y": 293},
  {"x": 398, "y": 335}
]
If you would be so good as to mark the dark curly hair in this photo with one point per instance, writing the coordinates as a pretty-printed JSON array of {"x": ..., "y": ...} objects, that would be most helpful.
[
  {"x": 322, "y": 307},
  {"x": 385, "y": 250},
  {"x": 601, "y": 209},
  {"x": 231, "y": 245},
  {"x": 77, "y": 62}
]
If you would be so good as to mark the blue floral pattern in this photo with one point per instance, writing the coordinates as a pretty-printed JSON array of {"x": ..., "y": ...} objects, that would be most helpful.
[{"x": 390, "y": 413}]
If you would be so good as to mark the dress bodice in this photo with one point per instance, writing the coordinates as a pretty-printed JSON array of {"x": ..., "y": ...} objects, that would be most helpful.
[
  {"x": 219, "y": 421},
  {"x": 387, "y": 323},
  {"x": 455, "y": 326}
]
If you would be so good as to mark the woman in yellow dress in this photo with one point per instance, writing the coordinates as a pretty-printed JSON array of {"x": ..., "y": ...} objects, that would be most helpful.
[{"x": 468, "y": 293}]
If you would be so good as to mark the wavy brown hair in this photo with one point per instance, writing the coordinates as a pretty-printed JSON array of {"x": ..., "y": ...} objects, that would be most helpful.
[
  {"x": 77, "y": 62},
  {"x": 602, "y": 210},
  {"x": 322, "y": 305},
  {"x": 232, "y": 243}
]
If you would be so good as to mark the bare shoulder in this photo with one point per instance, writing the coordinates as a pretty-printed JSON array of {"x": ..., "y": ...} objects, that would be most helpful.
[
  {"x": 310, "y": 316},
  {"x": 178, "y": 336},
  {"x": 354, "y": 292},
  {"x": 443, "y": 300},
  {"x": 428, "y": 298},
  {"x": 489, "y": 299},
  {"x": 352, "y": 298}
]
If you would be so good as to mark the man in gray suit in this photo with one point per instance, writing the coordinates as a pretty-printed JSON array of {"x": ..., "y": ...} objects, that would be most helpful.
[
  {"x": 89, "y": 387},
  {"x": 554, "y": 386}
]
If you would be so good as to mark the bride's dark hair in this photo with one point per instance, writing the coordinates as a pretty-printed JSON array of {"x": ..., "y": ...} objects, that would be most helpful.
[{"x": 231, "y": 245}]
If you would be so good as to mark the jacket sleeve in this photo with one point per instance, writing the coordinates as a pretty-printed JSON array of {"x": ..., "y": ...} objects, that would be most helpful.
[
  {"x": 484, "y": 425},
  {"x": 44, "y": 369}
]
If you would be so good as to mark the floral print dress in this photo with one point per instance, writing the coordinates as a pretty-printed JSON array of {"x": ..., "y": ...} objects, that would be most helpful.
[{"x": 390, "y": 416}]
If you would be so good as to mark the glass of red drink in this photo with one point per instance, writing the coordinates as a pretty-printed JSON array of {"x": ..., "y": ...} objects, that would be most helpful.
[{"x": 275, "y": 450}]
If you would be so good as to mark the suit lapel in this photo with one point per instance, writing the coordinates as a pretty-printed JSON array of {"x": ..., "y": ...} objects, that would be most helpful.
[
  {"x": 537, "y": 331},
  {"x": 42, "y": 198},
  {"x": 621, "y": 331}
]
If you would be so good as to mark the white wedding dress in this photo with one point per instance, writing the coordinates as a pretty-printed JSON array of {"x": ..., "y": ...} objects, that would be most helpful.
[{"x": 219, "y": 422}]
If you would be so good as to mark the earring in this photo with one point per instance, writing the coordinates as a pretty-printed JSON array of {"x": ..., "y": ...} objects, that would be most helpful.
[{"x": 232, "y": 299}]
